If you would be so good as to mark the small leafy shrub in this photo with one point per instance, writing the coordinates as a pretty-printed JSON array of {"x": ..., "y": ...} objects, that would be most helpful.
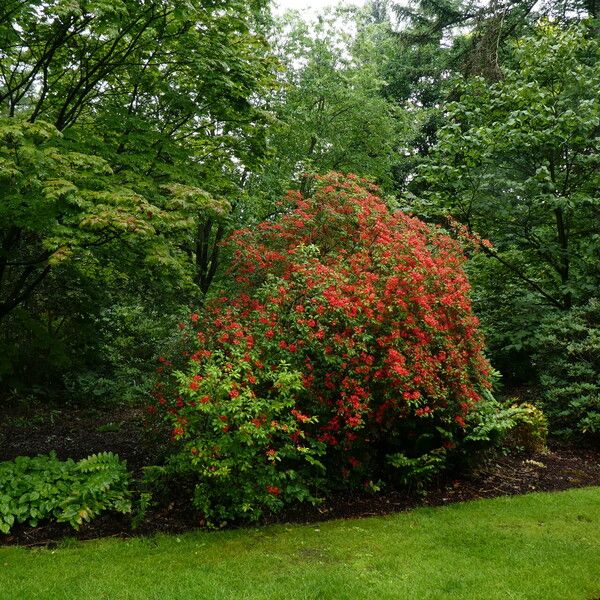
[
  {"x": 568, "y": 361},
  {"x": 248, "y": 447},
  {"x": 511, "y": 425},
  {"x": 347, "y": 338},
  {"x": 530, "y": 430},
  {"x": 421, "y": 469},
  {"x": 36, "y": 488},
  {"x": 117, "y": 364},
  {"x": 490, "y": 425}
]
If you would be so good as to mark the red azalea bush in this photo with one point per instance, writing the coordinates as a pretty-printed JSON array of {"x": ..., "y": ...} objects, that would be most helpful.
[{"x": 345, "y": 347}]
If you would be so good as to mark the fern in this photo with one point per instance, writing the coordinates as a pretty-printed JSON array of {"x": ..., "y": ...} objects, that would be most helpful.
[{"x": 42, "y": 487}]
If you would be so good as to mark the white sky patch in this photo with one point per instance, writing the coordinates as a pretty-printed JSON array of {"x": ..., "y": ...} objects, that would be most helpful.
[{"x": 311, "y": 7}]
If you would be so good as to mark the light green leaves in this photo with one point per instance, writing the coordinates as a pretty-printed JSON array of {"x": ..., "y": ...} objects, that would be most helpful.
[{"x": 41, "y": 487}]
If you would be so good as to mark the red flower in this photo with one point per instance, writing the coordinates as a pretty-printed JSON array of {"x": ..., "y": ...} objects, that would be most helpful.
[
  {"x": 299, "y": 416},
  {"x": 376, "y": 328},
  {"x": 273, "y": 489}
]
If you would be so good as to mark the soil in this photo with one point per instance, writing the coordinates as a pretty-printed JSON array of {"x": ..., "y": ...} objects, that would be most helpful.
[{"x": 76, "y": 433}]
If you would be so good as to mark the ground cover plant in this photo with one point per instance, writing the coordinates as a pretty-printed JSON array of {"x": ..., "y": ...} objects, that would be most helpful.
[
  {"x": 534, "y": 547},
  {"x": 35, "y": 489}
]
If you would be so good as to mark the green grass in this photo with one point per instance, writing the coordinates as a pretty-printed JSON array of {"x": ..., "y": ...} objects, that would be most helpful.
[{"x": 544, "y": 546}]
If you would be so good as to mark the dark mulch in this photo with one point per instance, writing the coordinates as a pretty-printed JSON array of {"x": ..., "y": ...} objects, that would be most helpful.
[
  {"x": 78, "y": 433},
  {"x": 562, "y": 468}
]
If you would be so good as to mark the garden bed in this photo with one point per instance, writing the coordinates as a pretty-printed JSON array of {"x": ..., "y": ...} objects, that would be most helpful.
[{"x": 76, "y": 433}]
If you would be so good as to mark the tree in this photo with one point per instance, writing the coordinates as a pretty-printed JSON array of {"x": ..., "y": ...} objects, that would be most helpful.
[
  {"x": 160, "y": 91},
  {"x": 519, "y": 163},
  {"x": 427, "y": 43},
  {"x": 330, "y": 113},
  {"x": 124, "y": 125},
  {"x": 52, "y": 202}
]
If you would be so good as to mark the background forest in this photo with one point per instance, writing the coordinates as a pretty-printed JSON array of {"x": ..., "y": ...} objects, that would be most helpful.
[{"x": 136, "y": 137}]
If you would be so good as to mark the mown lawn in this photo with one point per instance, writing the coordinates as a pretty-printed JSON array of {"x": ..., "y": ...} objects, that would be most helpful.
[{"x": 543, "y": 546}]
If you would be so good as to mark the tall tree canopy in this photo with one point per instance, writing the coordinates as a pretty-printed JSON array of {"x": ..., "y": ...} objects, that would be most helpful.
[
  {"x": 330, "y": 112},
  {"x": 123, "y": 125},
  {"x": 519, "y": 163}
]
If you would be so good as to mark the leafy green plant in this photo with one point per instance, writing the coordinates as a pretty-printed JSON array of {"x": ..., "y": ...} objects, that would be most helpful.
[
  {"x": 530, "y": 430},
  {"x": 419, "y": 470},
  {"x": 42, "y": 487},
  {"x": 510, "y": 424},
  {"x": 517, "y": 163},
  {"x": 245, "y": 450},
  {"x": 49, "y": 416},
  {"x": 110, "y": 427},
  {"x": 568, "y": 360},
  {"x": 144, "y": 502}
]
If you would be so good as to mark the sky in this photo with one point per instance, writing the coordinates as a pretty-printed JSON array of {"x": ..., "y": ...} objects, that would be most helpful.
[{"x": 310, "y": 6}]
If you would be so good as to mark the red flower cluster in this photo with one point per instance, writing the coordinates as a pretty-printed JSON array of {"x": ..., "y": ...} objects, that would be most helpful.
[{"x": 370, "y": 306}]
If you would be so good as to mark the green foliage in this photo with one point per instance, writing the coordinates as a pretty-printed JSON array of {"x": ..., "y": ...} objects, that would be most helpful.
[
  {"x": 55, "y": 203},
  {"x": 509, "y": 424},
  {"x": 518, "y": 163},
  {"x": 531, "y": 429},
  {"x": 120, "y": 364},
  {"x": 134, "y": 135},
  {"x": 568, "y": 360},
  {"x": 243, "y": 447},
  {"x": 122, "y": 128},
  {"x": 419, "y": 470},
  {"x": 143, "y": 504},
  {"x": 42, "y": 487},
  {"x": 330, "y": 112}
]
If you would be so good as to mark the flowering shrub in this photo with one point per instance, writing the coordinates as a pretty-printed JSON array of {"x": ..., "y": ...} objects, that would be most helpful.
[
  {"x": 241, "y": 436},
  {"x": 346, "y": 341}
]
